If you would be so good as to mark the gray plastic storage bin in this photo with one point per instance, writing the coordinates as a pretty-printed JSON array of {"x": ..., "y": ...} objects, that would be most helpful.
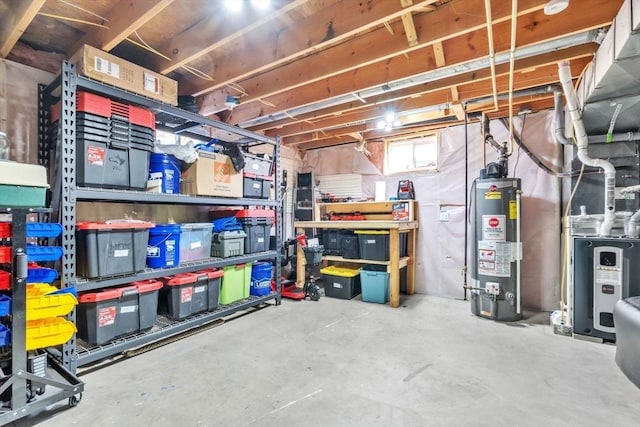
[
  {"x": 228, "y": 243},
  {"x": 111, "y": 249}
]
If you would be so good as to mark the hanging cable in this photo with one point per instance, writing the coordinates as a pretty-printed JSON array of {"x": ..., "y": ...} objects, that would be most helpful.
[{"x": 534, "y": 158}]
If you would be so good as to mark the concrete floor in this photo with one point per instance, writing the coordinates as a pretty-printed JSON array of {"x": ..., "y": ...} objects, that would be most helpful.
[{"x": 349, "y": 363}]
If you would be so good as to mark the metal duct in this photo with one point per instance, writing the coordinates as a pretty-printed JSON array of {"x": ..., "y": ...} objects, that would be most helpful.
[{"x": 431, "y": 76}]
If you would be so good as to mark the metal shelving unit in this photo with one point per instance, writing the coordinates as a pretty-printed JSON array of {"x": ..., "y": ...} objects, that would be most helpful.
[
  {"x": 20, "y": 383},
  {"x": 164, "y": 328},
  {"x": 153, "y": 273},
  {"x": 61, "y": 155}
]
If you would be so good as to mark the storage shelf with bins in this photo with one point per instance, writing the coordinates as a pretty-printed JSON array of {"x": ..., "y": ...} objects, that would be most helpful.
[
  {"x": 381, "y": 214},
  {"x": 60, "y": 156},
  {"x": 27, "y": 391}
]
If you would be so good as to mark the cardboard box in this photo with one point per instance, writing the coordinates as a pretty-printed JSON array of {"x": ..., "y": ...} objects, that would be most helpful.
[
  {"x": 110, "y": 69},
  {"x": 212, "y": 175}
]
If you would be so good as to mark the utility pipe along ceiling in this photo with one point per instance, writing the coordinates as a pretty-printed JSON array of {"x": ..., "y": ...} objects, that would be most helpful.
[{"x": 325, "y": 73}]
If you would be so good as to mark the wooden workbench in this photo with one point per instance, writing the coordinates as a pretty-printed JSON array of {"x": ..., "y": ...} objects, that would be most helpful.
[{"x": 394, "y": 264}]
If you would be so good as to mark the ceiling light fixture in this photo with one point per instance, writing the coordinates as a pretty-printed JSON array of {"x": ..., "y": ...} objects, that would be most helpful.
[
  {"x": 389, "y": 122},
  {"x": 555, "y": 6},
  {"x": 233, "y": 5},
  {"x": 261, "y": 4}
]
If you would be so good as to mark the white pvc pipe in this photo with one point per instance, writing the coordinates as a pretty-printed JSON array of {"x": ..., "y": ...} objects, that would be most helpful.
[
  {"x": 512, "y": 58},
  {"x": 632, "y": 225},
  {"x": 564, "y": 72},
  {"x": 492, "y": 53},
  {"x": 519, "y": 254}
]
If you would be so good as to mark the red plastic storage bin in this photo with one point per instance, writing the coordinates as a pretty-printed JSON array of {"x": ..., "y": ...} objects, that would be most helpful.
[{"x": 105, "y": 107}]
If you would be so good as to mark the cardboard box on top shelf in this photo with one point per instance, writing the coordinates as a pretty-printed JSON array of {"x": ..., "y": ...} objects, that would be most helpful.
[
  {"x": 212, "y": 174},
  {"x": 107, "y": 68}
]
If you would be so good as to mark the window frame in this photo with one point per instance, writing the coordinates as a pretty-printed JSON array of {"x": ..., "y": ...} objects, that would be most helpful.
[{"x": 412, "y": 139}]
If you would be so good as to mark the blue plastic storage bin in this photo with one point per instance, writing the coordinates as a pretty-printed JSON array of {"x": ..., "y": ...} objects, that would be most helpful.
[
  {"x": 43, "y": 253},
  {"x": 41, "y": 275},
  {"x": 43, "y": 229},
  {"x": 5, "y": 305},
  {"x": 374, "y": 280}
]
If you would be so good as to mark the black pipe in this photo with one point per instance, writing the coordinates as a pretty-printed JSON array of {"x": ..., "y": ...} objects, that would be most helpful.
[{"x": 466, "y": 197}]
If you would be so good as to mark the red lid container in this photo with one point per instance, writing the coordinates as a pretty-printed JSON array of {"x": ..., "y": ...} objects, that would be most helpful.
[
  {"x": 212, "y": 273},
  {"x": 120, "y": 225},
  {"x": 242, "y": 213},
  {"x": 145, "y": 286},
  {"x": 180, "y": 279},
  {"x": 103, "y": 295}
]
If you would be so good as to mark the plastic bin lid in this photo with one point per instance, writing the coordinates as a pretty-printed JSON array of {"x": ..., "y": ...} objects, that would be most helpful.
[
  {"x": 180, "y": 279},
  {"x": 110, "y": 225},
  {"x": 255, "y": 213},
  {"x": 372, "y": 231},
  {"x": 145, "y": 286},
  {"x": 22, "y": 174},
  {"x": 212, "y": 273},
  {"x": 256, "y": 176},
  {"x": 104, "y": 295},
  {"x": 190, "y": 226},
  {"x": 340, "y": 271}
]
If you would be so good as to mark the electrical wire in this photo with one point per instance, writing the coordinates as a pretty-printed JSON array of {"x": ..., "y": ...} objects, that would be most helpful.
[
  {"x": 534, "y": 158},
  {"x": 84, "y": 10},
  {"x": 524, "y": 120},
  {"x": 66, "y": 18}
]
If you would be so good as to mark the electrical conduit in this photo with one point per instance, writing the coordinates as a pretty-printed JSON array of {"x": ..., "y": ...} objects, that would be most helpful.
[{"x": 564, "y": 72}]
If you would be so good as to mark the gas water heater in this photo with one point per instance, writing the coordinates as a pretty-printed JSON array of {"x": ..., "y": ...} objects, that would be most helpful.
[{"x": 496, "y": 249}]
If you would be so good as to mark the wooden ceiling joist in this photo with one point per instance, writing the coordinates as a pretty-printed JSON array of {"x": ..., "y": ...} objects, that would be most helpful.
[
  {"x": 15, "y": 21},
  {"x": 460, "y": 49},
  {"x": 125, "y": 18},
  {"x": 378, "y": 45},
  {"x": 214, "y": 33},
  {"x": 329, "y": 26},
  {"x": 542, "y": 75}
]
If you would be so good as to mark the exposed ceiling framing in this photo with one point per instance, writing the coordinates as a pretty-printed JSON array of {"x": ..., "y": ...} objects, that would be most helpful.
[{"x": 321, "y": 73}]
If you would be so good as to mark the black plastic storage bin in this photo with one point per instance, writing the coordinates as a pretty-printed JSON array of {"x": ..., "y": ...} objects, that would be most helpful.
[
  {"x": 341, "y": 282},
  {"x": 349, "y": 245},
  {"x": 109, "y": 163},
  {"x": 257, "y": 224},
  {"x": 178, "y": 298},
  {"x": 256, "y": 187},
  {"x": 107, "y": 314},
  {"x": 331, "y": 241},
  {"x": 111, "y": 249},
  {"x": 374, "y": 244},
  {"x": 209, "y": 281}
]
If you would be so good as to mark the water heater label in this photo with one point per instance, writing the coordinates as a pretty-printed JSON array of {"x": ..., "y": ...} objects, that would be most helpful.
[
  {"x": 493, "y": 227},
  {"x": 494, "y": 258}
]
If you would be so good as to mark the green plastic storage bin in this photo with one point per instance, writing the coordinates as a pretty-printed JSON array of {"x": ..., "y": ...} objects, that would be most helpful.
[{"x": 235, "y": 283}]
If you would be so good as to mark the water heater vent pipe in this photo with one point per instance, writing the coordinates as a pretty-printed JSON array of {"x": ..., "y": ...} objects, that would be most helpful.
[{"x": 564, "y": 72}]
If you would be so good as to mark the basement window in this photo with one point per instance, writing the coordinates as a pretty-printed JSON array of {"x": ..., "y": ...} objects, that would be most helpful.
[{"x": 411, "y": 154}]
